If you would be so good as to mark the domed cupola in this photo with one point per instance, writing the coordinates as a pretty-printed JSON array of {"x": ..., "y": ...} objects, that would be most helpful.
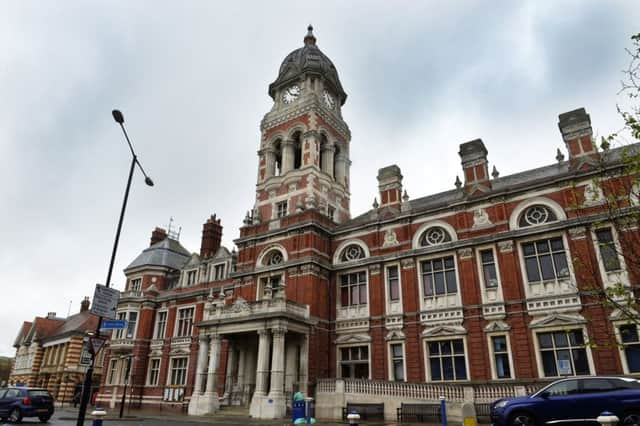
[{"x": 304, "y": 61}]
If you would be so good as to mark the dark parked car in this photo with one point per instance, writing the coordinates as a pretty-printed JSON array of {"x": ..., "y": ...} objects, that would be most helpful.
[
  {"x": 572, "y": 400},
  {"x": 19, "y": 402}
]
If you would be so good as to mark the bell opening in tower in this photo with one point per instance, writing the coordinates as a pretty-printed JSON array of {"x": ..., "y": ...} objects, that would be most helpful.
[{"x": 297, "y": 147}]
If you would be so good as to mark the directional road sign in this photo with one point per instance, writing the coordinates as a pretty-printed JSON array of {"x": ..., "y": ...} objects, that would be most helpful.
[
  {"x": 113, "y": 324},
  {"x": 105, "y": 301}
]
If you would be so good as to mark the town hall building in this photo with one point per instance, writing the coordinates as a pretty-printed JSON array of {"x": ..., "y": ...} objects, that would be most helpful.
[{"x": 485, "y": 284}]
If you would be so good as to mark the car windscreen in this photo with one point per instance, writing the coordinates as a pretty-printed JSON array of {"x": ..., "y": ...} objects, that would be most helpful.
[{"x": 39, "y": 392}]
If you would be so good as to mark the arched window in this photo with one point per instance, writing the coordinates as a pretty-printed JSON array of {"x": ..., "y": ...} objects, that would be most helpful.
[
  {"x": 536, "y": 215},
  {"x": 352, "y": 252},
  {"x": 274, "y": 257},
  {"x": 277, "y": 147},
  {"x": 434, "y": 236},
  {"x": 321, "y": 152},
  {"x": 297, "y": 150}
]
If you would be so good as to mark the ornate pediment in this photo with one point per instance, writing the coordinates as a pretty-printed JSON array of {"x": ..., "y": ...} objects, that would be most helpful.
[
  {"x": 395, "y": 335},
  {"x": 180, "y": 350},
  {"x": 629, "y": 314},
  {"x": 443, "y": 330},
  {"x": 494, "y": 326},
  {"x": 555, "y": 319},
  {"x": 240, "y": 305},
  {"x": 353, "y": 338}
]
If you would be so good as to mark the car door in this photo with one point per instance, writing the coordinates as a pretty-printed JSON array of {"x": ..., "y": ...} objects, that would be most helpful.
[
  {"x": 595, "y": 396},
  {"x": 557, "y": 403},
  {"x": 3, "y": 403},
  {"x": 11, "y": 397}
]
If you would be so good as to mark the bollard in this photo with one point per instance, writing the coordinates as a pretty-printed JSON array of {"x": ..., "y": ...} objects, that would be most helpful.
[
  {"x": 607, "y": 419},
  {"x": 98, "y": 414},
  {"x": 307, "y": 409},
  {"x": 353, "y": 418},
  {"x": 443, "y": 411}
]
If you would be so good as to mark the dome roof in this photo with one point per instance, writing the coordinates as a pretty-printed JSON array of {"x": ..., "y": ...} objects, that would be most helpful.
[{"x": 308, "y": 59}]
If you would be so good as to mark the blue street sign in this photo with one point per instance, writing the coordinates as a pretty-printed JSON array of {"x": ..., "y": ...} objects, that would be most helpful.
[{"x": 113, "y": 324}]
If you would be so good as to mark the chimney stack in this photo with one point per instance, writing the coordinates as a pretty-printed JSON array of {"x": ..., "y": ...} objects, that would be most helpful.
[
  {"x": 390, "y": 186},
  {"x": 84, "y": 305},
  {"x": 475, "y": 166},
  {"x": 51, "y": 315},
  {"x": 158, "y": 235},
  {"x": 211, "y": 237},
  {"x": 575, "y": 127}
]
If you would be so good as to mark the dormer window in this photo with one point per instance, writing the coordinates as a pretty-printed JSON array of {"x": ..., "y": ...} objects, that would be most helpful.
[
  {"x": 135, "y": 285},
  {"x": 218, "y": 272},
  {"x": 434, "y": 236},
  {"x": 352, "y": 252},
  {"x": 191, "y": 277},
  {"x": 536, "y": 215}
]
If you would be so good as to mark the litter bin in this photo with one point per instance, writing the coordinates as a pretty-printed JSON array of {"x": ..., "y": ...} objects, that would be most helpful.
[{"x": 297, "y": 410}]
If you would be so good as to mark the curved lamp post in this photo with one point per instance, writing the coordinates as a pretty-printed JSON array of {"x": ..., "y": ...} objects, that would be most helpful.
[{"x": 86, "y": 388}]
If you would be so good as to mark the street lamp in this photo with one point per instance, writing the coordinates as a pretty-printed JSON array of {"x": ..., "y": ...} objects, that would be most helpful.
[{"x": 86, "y": 388}]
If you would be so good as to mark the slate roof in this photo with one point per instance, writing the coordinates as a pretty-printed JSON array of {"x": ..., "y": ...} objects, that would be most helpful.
[
  {"x": 499, "y": 185},
  {"x": 168, "y": 253}
]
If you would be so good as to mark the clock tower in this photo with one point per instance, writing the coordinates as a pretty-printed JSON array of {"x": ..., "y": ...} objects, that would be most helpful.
[{"x": 304, "y": 149}]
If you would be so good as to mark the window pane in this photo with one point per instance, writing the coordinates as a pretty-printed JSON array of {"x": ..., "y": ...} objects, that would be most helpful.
[
  {"x": 344, "y": 296},
  {"x": 439, "y": 279},
  {"x": 448, "y": 262},
  {"x": 354, "y": 295},
  {"x": 460, "y": 368},
  {"x": 426, "y": 267},
  {"x": 632, "y": 353},
  {"x": 499, "y": 343},
  {"x": 434, "y": 348},
  {"x": 398, "y": 370},
  {"x": 564, "y": 362},
  {"x": 487, "y": 256},
  {"x": 427, "y": 285},
  {"x": 576, "y": 338},
  {"x": 364, "y": 352},
  {"x": 556, "y": 244},
  {"x": 549, "y": 363},
  {"x": 437, "y": 264},
  {"x": 458, "y": 346},
  {"x": 393, "y": 272},
  {"x": 397, "y": 351},
  {"x": 394, "y": 290},
  {"x": 344, "y": 354},
  {"x": 545, "y": 340},
  {"x": 561, "y": 264},
  {"x": 435, "y": 369},
  {"x": 628, "y": 333},
  {"x": 451, "y": 282},
  {"x": 542, "y": 246},
  {"x": 502, "y": 366},
  {"x": 580, "y": 361},
  {"x": 609, "y": 258},
  {"x": 547, "y": 268},
  {"x": 361, "y": 371},
  {"x": 531, "y": 264},
  {"x": 528, "y": 249},
  {"x": 447, "y": 369},
  {"x": 363, "y": 294},
  {"x": 490, "y": 275},
  {"x": 445, "y": 347},
  {"x": 560, "y": 338},
  {"x": 345, "y": 371}
]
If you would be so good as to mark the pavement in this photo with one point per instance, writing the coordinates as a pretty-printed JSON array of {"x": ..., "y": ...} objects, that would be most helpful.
[{"x": 68, "y": 416}]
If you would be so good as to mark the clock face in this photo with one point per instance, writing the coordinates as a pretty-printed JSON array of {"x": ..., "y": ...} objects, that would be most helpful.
[
  {"x": 291, "y": 94},
  {"x": 328, "y": 99}
]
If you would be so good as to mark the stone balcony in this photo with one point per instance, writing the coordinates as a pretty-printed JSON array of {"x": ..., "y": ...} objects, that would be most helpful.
[
  {"x": 121, "y": 345},
  {"x": 216, "y": 309}
]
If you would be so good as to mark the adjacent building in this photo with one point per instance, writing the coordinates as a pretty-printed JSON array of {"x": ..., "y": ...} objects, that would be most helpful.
[
  {"x": 49, "y": 353},
  {"x": 493, "y": 281}
]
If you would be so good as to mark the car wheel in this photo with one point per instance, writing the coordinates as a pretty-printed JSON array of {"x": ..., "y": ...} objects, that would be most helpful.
[
  {"x": 522, "y": 419},
  {"x": 15, "y": 416},
  {"x": 631, "y": 419},
  {"x": 44, "y": 419}
]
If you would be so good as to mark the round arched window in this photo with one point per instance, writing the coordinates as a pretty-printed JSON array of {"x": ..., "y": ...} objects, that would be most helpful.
[
  {"x": 537, "y": 215},
  {"x": 434, "y": 236},
  {"x": 274, "y": 257},
  {"x": 352, "y": 252}
]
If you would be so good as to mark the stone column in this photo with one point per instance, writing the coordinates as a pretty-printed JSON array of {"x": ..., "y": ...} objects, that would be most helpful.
[
  {"x": 288, "y": 156},
  {"x": 341, "y": 168},
  {"x": 311, "y": 138},
  {"x": 270, "y": 162},
  {"x": 327, "y": 159},
  {"x": 262, "y": 367},
  {"x": 203, "y": 350},
  {"x": 277, "y": 363},
  {"x": 290, "y": 366},
  {"x": 214, "y": 361},
  {"x": 242, "y": 351},
  {"x": 304, "y": 363},
  {"x": 231, "y": 370}
]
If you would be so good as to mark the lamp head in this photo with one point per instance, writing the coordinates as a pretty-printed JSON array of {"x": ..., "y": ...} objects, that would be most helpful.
[
  {"x": 117, "y": 115},
  {"x": 148, "y": 181}
]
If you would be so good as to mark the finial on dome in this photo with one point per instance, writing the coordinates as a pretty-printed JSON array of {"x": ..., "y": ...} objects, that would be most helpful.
[{"x": 309, "y": 38}]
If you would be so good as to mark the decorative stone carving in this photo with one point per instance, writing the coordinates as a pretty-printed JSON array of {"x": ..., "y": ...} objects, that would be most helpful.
[
  {"x": 465, "y": 253},
  {"x": 240, "y": 305},
  {"x": 390, "y": 238},
  {"x": 593, "y": 194},
  {"x": 395, "y": 335},
  {"x": 374, "y": 269},
  {"x": 578, "y": 233},
  {"x": 408, "y": 263},
  {"x": 481, "y": 219},
  {"x": 505, "y": 246},
  {"x": 494, "y": 326}
]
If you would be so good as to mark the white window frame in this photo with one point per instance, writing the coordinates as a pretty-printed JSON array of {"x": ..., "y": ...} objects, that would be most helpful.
[
  {"x": 150, "y": 370},
  {"x": 214, "y": 267},
  {"x": 439, "y": 301},
  {"x": 351, "y": 345},
  {"x": 393, "y": 306},
  {"x": 569, "y": 282},
  {"x": 494, "y": 369},
  {"x": 621, "y": 346},
  {"x": 157, "y": 323},
  {"x": 187, "y": 274},
  {"x": 276, "y": 207},
  {"x": 266, "y": 278},
  {"x": 122, "y": 332},
  {"x": 170, "y": 371},
  {"x": 112, "y": 374},
  {"x": 136, "y": 279},
  {"x": 610, "y": 278},
  {"x": 391, "y": 372},
  {"x": 427, "y": 366},
  {"x": 177, "y": 319},
  {"x": 564, "y": 328},
  {"x": 352, "y": 311},
  {"x": 484, "y": 291}
]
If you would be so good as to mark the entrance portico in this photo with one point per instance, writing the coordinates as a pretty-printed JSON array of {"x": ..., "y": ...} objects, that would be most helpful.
[{"x": 267, "y": 355}]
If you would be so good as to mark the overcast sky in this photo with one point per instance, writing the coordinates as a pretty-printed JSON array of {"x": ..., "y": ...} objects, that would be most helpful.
[{"x": 191, "y": 79}]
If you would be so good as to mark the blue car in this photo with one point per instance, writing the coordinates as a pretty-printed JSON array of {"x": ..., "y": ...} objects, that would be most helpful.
[
  {"x": 19, "y": 402},
  {"x": 576, "y": 400}
]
